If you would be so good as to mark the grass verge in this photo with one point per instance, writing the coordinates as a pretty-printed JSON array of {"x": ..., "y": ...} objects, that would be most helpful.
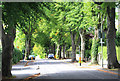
[{"x": 105, "y": 52}]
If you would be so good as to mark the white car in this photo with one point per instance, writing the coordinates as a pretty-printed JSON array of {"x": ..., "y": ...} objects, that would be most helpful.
[
  {"x": 31, "y": 57},
  {"x": 51, "y": 56}
]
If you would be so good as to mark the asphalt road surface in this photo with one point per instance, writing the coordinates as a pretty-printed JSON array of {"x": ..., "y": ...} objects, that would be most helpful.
[{"x": 59, "y": 69}]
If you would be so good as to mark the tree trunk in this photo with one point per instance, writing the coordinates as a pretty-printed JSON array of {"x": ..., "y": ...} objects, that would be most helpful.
[
  {"x": 95, "y": 45},
  {"x": 78, "y": 42},
  {"x": 111, "y": 33},
  {"x": 95, "y": 42},
  {"x": 73, "y": 36},
  {"x": 94, "y": 53},
  {"x": 57, "y": 49},
  {"x": 27, "y": 50},
  {"x": 46, "y": 49},
  {"x": 7, "y": 51},
  {"x": 49, "y": 49},
  {"x": 54, "y": 49},
  {"x": 30, "y": 48},
  {"x": 60, "y": 52},
  {"x": 64, "y": 51},
  {"x": 82, "y": 35}
]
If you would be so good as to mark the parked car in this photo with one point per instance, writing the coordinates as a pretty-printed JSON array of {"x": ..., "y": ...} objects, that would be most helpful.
[
  {"x": 31, "y": 57},
  {"x": 51, "y": 56}
]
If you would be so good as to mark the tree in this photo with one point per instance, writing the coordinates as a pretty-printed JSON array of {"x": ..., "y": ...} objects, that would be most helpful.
[
  {"x": 87, "y": 24},
  {"x": 31, "y": 15},
  {"x": 28, "y": 25},
  {"x": 58, "y": 33},
  {"x": 41, "y": 36},
  {"x": 10, "y": 16},
  {"x": 82, "y": 33},
  {"x": 95, "y": 41},
  {"x": 73, "y": 19},
  {"x": 16, "y": 15},
  {"x": 111, "y": 33}
]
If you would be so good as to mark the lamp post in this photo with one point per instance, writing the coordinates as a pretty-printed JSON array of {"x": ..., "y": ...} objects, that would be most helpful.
[{"x": 101, "y": 40}]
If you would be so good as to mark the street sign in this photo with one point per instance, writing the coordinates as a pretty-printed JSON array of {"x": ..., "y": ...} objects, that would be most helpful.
[{"x": 101, "y": 42}]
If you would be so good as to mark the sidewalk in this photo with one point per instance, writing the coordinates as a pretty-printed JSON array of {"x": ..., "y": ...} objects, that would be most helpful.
[
  {"x": 21, "y": 71},
  {"x": 98, "y": 67}
]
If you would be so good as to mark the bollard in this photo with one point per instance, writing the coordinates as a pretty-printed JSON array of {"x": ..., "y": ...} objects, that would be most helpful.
[
  {"x": 31, "y": 58},
  {"x": 79, "y": 56},
  {"x": 80, "y": 60},
  {"x": 55, "y": 57}
]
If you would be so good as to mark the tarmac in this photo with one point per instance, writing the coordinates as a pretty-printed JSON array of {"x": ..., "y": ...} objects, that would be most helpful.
[{"x": 22, "y": 70}]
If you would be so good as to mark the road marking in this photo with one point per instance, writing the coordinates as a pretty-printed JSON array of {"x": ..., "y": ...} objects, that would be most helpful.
[
  {"x": 108, "y": 72},
  {"x": 27, "y": 63}
]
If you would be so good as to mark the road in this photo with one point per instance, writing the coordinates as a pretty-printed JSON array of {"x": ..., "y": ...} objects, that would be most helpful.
[{"x": 59, "y": 69}]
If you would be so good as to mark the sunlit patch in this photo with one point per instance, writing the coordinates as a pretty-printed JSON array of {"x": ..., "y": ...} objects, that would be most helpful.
[{"x": 21, "y": 72}]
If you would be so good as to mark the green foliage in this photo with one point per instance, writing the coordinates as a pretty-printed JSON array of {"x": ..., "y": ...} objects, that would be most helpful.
[
  {"x": 39, "y": 50},
  {"x": 118, "y": 52},
  {"x": 48, "y": 23},
  {"x": 17, "y": 56},
  {"x": 87, "y": 53},
  {"x": 41, "y": 38},
  {"x": 77, "y": 52},
  {"x": 89, "y": 20},
  {"x": 104, "y": 52},
  {"x": 20, "y": 40},
  {"x": 117, "y": 41},
  {"x": 24, "y": 16},
  {"x": 70, "y": 49},
  {"x": 88, "y": 44},
  {"x": 74, "y": 16}
]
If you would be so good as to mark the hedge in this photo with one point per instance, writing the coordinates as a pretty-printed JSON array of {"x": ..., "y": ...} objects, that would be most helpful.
[{"x": 17, "y": 56}]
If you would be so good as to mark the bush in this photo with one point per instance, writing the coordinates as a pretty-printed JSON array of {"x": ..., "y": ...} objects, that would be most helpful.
[
  {"x": 17, "y": 56},
  {"x": 87, "y": 53},
  {"x": 77, "y": 52}
]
